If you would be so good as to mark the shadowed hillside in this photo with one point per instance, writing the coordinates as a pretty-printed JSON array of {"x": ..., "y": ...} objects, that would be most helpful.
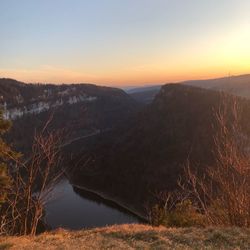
[
  {"x": 144, "y": 95},
  {"x": 149, "y": 154},
  {"x": 78, "y": 109},
  {"x": 235, "y": 85}
]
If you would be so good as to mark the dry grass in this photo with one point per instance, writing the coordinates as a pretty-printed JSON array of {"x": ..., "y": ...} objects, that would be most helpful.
[{"x": 134, "y": 237}]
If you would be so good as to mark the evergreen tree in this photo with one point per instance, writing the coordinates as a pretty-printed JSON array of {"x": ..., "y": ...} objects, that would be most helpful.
[{"x": 6, "y": 155}]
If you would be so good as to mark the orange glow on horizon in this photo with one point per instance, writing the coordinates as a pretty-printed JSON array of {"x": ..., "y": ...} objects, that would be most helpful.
[
  {"x": 126, "y": 78},
  {"x": 126, "y": 43},
  {"x": 209, "y": 57}
]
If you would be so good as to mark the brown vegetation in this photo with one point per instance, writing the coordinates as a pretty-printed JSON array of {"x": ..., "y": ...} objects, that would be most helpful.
[
  {"x": 220, "y": 195},
  {"x": 31, "y": 185},
  {"x": 223, "y": 193},
  {"x": 134, "y": 237},
  {"x": 6, "y": 154}
]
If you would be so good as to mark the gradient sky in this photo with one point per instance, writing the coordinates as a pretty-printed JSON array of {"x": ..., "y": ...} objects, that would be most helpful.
[{"x": 123, "y": 42}]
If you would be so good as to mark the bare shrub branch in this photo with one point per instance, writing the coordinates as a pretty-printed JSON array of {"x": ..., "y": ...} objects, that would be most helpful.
[
  {"x": 32, "y": 183},
  {"x": 223, "y": 192}
]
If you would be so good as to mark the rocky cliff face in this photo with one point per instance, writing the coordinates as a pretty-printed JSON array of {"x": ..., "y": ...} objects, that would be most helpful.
[
  {"x": 80, "y": 109},
  {"x": 17, "y": 102},
  {"x": 37, "y": 107}
]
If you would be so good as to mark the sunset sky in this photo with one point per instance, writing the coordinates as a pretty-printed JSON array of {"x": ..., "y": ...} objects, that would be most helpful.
[{"x": 123, "y": 42}]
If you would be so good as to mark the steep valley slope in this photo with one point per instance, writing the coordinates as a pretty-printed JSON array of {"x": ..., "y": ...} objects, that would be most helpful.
[
  {"x": 78, "y": 110},
  {"x": 148, "y": 155}
]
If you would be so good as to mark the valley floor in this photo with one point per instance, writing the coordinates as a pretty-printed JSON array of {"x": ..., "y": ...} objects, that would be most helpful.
[{"x": 134, "y": 237}]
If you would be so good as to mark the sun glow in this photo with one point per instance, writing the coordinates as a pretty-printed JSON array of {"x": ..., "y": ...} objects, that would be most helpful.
[{"x": 159, "y": 42}]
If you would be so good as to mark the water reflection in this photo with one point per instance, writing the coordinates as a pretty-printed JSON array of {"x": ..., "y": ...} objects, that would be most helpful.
[{"x": 77, "y": 209}]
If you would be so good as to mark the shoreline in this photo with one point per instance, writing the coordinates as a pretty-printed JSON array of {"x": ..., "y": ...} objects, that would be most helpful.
[{"x": 115, "y": 201}]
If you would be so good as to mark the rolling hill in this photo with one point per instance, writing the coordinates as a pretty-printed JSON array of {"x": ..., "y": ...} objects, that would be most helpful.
[
  {"x": 144, "y": 95},
  {"x": 235, "y": 85}
]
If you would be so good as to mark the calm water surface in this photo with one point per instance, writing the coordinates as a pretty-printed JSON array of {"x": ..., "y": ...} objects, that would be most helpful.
[{"x": 76, "y": 209}]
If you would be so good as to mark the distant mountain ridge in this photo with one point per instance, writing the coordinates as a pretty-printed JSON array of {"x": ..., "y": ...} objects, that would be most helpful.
[
  {"x": 143, "y": 88},
  {"x": 144, "y": 95},
  {"x": 235, "y": 85}
]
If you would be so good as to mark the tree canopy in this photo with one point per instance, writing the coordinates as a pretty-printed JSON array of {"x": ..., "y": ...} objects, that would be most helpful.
[{"x": 6, "y": 155}]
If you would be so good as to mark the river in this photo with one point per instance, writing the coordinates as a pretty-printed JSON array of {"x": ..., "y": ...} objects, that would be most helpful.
[{"x": 72, "y": 208}]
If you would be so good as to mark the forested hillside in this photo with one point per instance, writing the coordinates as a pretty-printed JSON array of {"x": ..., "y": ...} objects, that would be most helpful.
[
  {"x": 149, "y": 154},
  {"x": 78, "y": 109}
]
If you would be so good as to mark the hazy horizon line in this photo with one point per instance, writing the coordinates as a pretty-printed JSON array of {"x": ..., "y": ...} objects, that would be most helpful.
[{"x": 132, "y": 85}]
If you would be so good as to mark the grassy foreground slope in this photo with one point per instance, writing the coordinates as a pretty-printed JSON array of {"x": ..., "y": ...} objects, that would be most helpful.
[{"x": 134, "y": 237}]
